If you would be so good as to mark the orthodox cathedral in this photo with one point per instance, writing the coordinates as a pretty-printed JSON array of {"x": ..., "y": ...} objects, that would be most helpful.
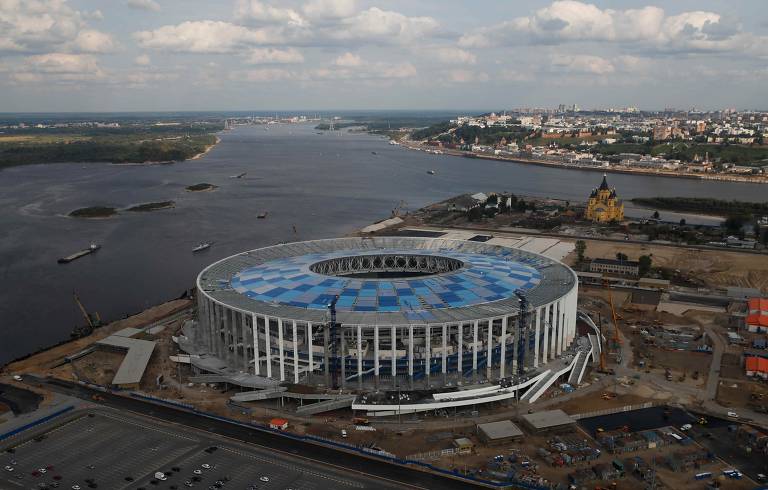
[{"x": 603, "y": 205}]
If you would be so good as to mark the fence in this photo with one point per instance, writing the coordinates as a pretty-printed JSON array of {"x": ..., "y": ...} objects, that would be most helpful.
[
  {"x": 611, "y": 411},
  {"x": 35, "y": 423},
  {"x": 433, "y": 455}
]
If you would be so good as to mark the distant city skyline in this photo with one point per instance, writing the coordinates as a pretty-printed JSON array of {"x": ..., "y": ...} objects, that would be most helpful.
[{"x": 321, "y": 55}]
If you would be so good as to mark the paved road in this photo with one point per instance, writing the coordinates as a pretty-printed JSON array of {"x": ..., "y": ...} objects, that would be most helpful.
[
  {"x": 321, "y": 455},
  {"x": 714, "y": 368}
]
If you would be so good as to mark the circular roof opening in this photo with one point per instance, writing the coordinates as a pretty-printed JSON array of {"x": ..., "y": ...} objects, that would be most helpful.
[{"x": 386, "y": 266}]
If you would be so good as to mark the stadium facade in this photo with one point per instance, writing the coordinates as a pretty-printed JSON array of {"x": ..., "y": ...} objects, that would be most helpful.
[{"x": 386, "y": 313}]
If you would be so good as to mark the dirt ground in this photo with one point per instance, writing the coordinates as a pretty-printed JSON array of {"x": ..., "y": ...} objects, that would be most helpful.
[
  {"x": 732, "y": 367},
  {"x": 738, "y": 394},
  {"x": 715, "y": 268},
  {"x": 594, "y": 401},
  {"x": 41, "y": 363}
]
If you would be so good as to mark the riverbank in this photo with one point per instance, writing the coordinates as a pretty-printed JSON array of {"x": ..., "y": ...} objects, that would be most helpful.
[
  {"x": 414, "y": 145},
  {"x": 207, "y": 149}
]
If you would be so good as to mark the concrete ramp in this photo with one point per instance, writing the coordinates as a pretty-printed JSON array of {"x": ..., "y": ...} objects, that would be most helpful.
[
  {"x": 595, "y": 343},
  {"x": 252, "y": 396},
  {"x": 326, "y": 406},
  {"x": 580, "y": 359}
]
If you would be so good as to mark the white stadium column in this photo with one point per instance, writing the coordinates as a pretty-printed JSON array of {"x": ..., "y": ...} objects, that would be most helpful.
[
  {"x": 445, "y": 349},
  {"x": 376, "y": 353},
  {"x": 310, "y": 354},
  {"x": 503, "y": 353},
  {"x": 255, "y": 330},
  {"x": 393, "y": 334},
  {"x": 243, "y": 340},
  {"x": 515, "y": 341},
  {"x": 565, "y": 326},
  {"x": 489, "y": 351},
  {"x": 560, "y": 326},
  {"x": 410, "y": 352},
  {"x": 280, "y": 348},
  {"x": 428, "y": 350},
  {"x": 359, "y": 355},
  {"x": 474, "y": 348},
  {"x": 545, "y": 347},
  {"x": 553, "y": 334},
  {"x": 267, "y": 346},
  {"x": 343, "y": 356},
  {"x": 460, "y": 357},
  {"x": 536, "y": 339},
  {"x": 295, "y": 353}
]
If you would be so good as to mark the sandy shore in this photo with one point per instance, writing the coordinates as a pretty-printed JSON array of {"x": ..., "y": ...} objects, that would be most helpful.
[{"x": 205, "y": 152}]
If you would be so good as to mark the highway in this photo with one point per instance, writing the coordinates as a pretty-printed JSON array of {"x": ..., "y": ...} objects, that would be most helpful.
[{"x": 321, "y": 455}]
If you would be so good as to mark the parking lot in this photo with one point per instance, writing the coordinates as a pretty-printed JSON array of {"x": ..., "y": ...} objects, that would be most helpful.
[{"x": 113, "y": 450}]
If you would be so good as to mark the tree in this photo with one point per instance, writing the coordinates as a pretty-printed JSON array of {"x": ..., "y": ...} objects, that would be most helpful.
[
  {"x": 581, "y": 247},
  {"x": 656, "y": 215},
  {"x": 682, "y": 221},
  {"x": 733, "y": 224},
  {"x": 621, "y": 256},
  {"x": 645, "y": 264},
  {"x": 475, "y": 214}
]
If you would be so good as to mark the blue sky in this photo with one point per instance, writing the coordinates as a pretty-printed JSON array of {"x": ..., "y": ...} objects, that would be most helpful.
[{"x": 110, "y": 55}]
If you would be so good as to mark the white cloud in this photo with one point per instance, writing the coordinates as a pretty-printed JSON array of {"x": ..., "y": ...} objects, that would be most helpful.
[
  {"x": 59, "y": 67},
  {"x": 149, "y": 5},
  {"x": 142, "y": 60},
  {"x": 142, "y": 79},
  {"x": 37, "y": 25},
  {"x": 648, "y": 27},
  {"x": 465, "y": 76},
  {"x": 260, "y": 56},
  {"x": 364, "y": 71},
  {"x": 387, "y": 26},
  {"x": 261, "y": 12},
  {"x": 582, "y": 63},
  {"x": 92, "y": 41},
  {"x": 450, "y": 55},
  {"x": 329, "y": 9},
  {"x": 348, "y": 60},
  {"x": 205, "y": 36},
  {"x": 267, "y": 75}
]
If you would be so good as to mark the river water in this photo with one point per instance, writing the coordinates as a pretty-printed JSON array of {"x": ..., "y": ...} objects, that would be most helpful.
[{"x": 325, "y": 184}]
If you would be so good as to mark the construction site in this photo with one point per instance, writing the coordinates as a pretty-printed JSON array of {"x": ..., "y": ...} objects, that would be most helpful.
[{"x": 662, "y": 400}]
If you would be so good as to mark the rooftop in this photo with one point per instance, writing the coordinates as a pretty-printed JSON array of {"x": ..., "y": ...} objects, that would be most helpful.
[
  {"x": 548, "y": 418},
  {"x": 500, "y": 430},
  {"x": 461, "y": 280},
  {"x": 137, "y": 357},
  {"x": 628, "y": 263}
]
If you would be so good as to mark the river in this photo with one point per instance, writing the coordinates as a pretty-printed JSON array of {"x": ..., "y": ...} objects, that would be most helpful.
[{"x": 325, "y": 184}]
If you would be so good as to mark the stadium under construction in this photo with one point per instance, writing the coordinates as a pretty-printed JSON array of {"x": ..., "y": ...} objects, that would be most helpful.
[{"x": 399, "y": 324}]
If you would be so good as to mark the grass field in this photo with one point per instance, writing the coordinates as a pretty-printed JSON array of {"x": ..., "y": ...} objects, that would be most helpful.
[{"x": 42, "y": 139}]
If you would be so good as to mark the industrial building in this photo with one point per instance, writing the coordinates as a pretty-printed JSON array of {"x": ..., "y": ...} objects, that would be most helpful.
[
  {"x": 548, "y": 421},
  {"x": 501, "y": 432},
  {"x": 389, "y": 313}
]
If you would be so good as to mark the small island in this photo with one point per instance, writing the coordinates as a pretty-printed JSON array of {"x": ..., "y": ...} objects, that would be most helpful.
[
  {"x": 152, "y": 206},
  {"x": 201, "y": 187},
  {"x": 94, "y": 212}
]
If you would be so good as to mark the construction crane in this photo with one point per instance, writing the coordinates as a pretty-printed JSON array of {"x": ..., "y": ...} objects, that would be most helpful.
[
  {"x": 616, "y": 339},
  {"x": 91, "y": 320}
]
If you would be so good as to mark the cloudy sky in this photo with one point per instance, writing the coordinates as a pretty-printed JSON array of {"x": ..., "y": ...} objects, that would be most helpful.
[{"x": 107, "y": 55}]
